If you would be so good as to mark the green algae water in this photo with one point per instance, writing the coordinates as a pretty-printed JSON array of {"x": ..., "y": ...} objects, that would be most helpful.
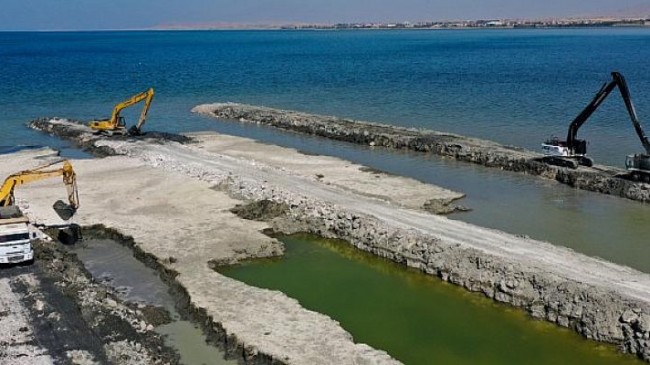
[{"x": 416, "y": 318}]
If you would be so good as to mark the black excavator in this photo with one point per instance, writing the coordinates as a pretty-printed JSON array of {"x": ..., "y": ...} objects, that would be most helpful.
[{"x": 572, "y": 152}]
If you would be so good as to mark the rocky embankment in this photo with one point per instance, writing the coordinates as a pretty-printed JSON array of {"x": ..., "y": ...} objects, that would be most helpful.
[
  {"x": 601, "y": 300},
  {"x": 597, "y": 313},
  {"x": 601, "y": 179}
]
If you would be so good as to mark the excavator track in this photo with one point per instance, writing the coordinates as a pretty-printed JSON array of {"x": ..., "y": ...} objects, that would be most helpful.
[{"x": 561, "y": 161}]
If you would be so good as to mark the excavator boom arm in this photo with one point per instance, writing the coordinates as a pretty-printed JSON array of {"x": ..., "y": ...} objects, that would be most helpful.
[
  {"x": 601, "y": 95},
  {"x": 625, "y": 93},
  {"x": 115, "y": 122},
  {"x": 148, "y": 95},
  {"x": 617, "y": 81},
  {"x": 40, "y": 173},
  {"x": 145, "y": 110}
]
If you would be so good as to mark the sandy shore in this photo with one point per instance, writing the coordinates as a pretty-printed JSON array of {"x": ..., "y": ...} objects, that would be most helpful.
[{"x": 174, "y": 199}]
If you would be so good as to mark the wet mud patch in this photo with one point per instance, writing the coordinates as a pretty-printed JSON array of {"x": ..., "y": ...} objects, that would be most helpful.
[
  {"x": 376, "y": 172},
  {"x": 73, "y": 315},
  {"x": 214, "y": 334},
  {"x": 262, "y": 210},
  {"x": 308, "y": 153},
  {"x": 156, "y": 316},
  {"x": 444, "y": 206},
  {"x": 142, "y": 288}
]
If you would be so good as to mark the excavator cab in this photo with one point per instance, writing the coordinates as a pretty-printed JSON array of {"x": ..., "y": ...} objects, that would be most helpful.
[
  {"x": 563, "y": 154},
  {"x": 121, "y": 122}
]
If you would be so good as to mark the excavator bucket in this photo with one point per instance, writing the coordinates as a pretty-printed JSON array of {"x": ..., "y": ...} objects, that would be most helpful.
[
  {"x": 65, "y": 211},
  {"x": 134, "y": 131}
]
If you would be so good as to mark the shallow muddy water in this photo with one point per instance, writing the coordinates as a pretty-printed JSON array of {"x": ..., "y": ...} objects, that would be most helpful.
[
  {"x": 112, "y": 263},
  {"x": 417, "y": 318}
]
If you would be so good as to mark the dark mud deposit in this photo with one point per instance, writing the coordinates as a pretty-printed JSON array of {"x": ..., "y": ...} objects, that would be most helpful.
[
  {"x": 263, "y": 210},
  {"x": 83, "y": 137},
  {"x": 601, "y": 179},
  {"x": 214, "y": 333},
  {"x": 71, "y": 312}
]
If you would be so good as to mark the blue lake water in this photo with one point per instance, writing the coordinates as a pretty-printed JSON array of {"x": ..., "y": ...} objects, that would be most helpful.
[{"x": 513, "y": 86}]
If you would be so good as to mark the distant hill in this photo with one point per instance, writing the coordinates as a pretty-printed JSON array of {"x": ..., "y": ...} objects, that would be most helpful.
[{"x": 635, "y": 12}]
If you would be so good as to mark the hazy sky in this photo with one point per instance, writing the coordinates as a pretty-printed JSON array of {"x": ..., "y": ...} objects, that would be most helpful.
[{"x": 112, "y": 14}]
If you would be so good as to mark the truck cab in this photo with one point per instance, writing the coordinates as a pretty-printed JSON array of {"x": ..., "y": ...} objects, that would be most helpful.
[{"x": 16, "y": 236}]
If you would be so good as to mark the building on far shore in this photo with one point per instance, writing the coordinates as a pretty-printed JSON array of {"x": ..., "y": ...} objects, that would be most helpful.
[{"x": 488, "y": 23}]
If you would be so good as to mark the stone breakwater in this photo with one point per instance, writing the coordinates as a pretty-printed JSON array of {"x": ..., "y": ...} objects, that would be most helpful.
[
  {"x": 601, "y": 179},
  {"x": 600, "y": 300}
]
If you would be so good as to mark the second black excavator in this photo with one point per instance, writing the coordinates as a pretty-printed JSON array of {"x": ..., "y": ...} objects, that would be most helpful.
[{"x": 572, "y": 152}]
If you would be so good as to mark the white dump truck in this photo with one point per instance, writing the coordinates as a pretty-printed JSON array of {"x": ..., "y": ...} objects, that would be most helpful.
[{"x": 16, "y": 236}]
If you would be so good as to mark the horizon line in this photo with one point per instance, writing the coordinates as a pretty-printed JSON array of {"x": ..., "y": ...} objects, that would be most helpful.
[{"x": 288, "y": 25}]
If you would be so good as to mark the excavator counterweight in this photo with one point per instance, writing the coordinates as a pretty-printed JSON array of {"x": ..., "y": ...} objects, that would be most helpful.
[{"x": 116, "y": 123}]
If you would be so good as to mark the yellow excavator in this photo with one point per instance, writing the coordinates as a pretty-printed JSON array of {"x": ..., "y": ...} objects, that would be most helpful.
[
  {"x": 65, "y": 211},
  {"x": 116, "y": 124}
]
